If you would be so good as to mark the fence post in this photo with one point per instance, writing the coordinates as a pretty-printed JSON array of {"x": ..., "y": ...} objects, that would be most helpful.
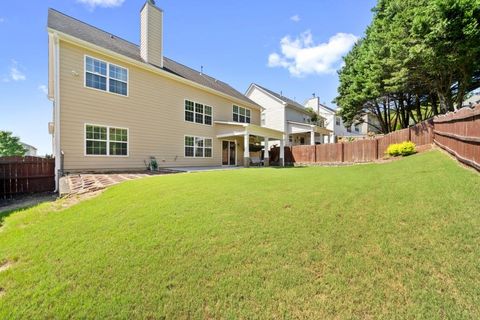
[
  {"x": 343, "y": 152},
  {"x": 376, "y": 149},
  {"x": 409, "y": 133}
]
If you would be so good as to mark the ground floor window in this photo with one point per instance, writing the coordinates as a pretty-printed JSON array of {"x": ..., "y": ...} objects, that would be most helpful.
[
  {"x": 198, "y": 147},
  {"x": 105, "y": 141}
]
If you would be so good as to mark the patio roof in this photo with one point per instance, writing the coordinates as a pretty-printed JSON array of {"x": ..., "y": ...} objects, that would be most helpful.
[
  {"x": 301, "y": 127},
  {"x": 229, "y": 129}
]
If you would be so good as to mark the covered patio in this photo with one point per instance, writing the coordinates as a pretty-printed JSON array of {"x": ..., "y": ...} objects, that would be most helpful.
[
  {"x": 237, "y": 136},
  {"x": 300, "y": 133}
]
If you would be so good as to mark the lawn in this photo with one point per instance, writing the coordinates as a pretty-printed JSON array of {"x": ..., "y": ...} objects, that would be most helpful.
[{"x": 396, "y": 240}]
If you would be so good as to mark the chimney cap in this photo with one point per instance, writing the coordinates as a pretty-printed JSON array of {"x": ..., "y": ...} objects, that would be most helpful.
[{"x": 152, "y": 3}]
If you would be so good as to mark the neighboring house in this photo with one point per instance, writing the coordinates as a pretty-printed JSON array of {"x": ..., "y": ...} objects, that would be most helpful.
[
  {"x": 283, "y": 114},
  {"x": 473, "y": 100},
  {"x": 31, "y": 150},
  {"x": 334, "y": 122},
  {"x": 117, "y": 104}
]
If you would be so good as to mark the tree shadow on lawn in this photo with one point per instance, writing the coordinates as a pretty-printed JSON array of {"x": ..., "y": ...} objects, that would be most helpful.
[
  {"x": 23, "y": 202},
  {"x": 288, "y": 167}
]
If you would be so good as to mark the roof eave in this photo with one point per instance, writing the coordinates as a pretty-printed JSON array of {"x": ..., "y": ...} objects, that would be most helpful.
[
  {"x": 74, "y": 40},
  {"x": 266, "y": 92}
]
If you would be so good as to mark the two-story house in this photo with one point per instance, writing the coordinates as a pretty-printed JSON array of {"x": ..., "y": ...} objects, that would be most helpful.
[
  {"x": 286, "y": 115},
  {"x": 116, "y": 104},
  {"x": 334, "y": 123}
]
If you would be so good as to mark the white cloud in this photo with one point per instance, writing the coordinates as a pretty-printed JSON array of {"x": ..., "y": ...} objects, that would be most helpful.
[
  {"x": 2, "y": 20},
  {"x": 295, "y": 18},
  {"x": 15, "y": 73},
  {"x": 102, "y": 3},
  {"x": 43, "y": 88},
  {"x": 301, "y": 56}
]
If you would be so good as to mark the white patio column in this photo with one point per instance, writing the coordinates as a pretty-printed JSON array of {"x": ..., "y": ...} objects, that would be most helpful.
[
  {"x": 312, "y": 138},
  {"x": 246, "y": 150},
  {"x": 282, "y": 153},
  {"x": 266, "y": 156}
]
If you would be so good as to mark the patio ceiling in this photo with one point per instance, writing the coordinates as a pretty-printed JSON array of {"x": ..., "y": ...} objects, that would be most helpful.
[
  {"x": 230, "y": 129},
  {"x": 300, "y": 127}
]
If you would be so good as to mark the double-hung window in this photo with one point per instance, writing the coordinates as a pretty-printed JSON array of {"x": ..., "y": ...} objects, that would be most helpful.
[
  {"x": 198, "y": 147},
  {"x": 198, "y": 112},
  {"x": 241, "y": 114},
  {"x": 105, "y": 141},
  {"x": 105, "y": 76}
]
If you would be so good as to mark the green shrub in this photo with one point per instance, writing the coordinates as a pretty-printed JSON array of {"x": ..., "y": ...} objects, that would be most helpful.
[
  {"x": 401, "y": 149},
  {"x": 407, "y": 148},
  {"x": 393, "y": 149}
]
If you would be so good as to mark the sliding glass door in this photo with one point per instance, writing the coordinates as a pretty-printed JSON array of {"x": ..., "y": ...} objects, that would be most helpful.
[{"x": 229, "y": 153}]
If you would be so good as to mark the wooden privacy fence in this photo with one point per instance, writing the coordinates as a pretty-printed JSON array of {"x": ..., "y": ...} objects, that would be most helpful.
[
  {"x": 456, "y": 132},
  {"x": 26, "y": 175},
  {"x": 459, "y": 134},
  {"x": 357, "y": 151}
]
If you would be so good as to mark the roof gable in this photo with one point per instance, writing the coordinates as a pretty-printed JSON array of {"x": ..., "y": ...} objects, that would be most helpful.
[{"x": 288, "y": 103}]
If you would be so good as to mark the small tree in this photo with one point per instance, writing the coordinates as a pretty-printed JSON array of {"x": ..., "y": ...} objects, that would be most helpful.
[
  {"x": 313, "y": 115},
  {"x": 10, "y": 145}
]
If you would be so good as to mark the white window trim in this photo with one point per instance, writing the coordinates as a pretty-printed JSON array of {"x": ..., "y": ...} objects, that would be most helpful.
[
  {"x": 194, "y": 147},
  {"x": 194, "y": 112},
  {"x": 236, "y": 105},
  {"x": 107, "y": 76},
  {"x": 108, "y": 141}
]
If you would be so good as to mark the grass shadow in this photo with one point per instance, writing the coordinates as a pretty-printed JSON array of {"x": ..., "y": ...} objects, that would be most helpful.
[{"x": 24, "y": 202}]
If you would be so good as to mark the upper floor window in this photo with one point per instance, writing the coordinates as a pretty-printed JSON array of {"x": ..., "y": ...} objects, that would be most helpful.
[
  {"x": 357, "y": 128},
  {"x": 105, "y": 76},
  {"x": 198, "y": 113},
  {"x": 337, "y": 121},
  {"x": 241, "y": 114},
  {"x": 106, "y": 141}
]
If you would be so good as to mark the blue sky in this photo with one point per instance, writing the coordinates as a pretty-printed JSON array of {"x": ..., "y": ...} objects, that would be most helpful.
[{"x": 289, "y": 46}]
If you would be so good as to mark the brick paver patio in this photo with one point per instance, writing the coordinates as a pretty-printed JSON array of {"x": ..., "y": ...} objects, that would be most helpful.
[{"x": 77, "y": 184}]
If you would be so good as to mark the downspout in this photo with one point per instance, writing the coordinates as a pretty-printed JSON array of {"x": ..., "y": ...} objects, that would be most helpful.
[{"x": 56, "y": 72}]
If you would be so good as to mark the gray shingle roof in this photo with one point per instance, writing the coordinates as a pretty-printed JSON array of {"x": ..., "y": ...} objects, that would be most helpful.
[
  {"x": 83, "y": 31},
  {"x": 281, "y": 97}
]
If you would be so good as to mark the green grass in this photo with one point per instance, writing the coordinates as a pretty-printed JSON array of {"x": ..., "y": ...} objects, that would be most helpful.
[{"x": 397, "y": 240}]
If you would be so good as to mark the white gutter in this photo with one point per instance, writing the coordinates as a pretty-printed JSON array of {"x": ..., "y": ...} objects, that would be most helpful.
[{"x": 56, "y": 106}]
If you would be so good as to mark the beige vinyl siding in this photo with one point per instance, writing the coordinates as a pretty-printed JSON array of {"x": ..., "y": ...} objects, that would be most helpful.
[{"x": 153, "y": 112}]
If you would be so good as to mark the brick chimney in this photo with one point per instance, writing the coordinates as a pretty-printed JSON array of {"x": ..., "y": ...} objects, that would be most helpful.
[{"x": 151, "y": 34}]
